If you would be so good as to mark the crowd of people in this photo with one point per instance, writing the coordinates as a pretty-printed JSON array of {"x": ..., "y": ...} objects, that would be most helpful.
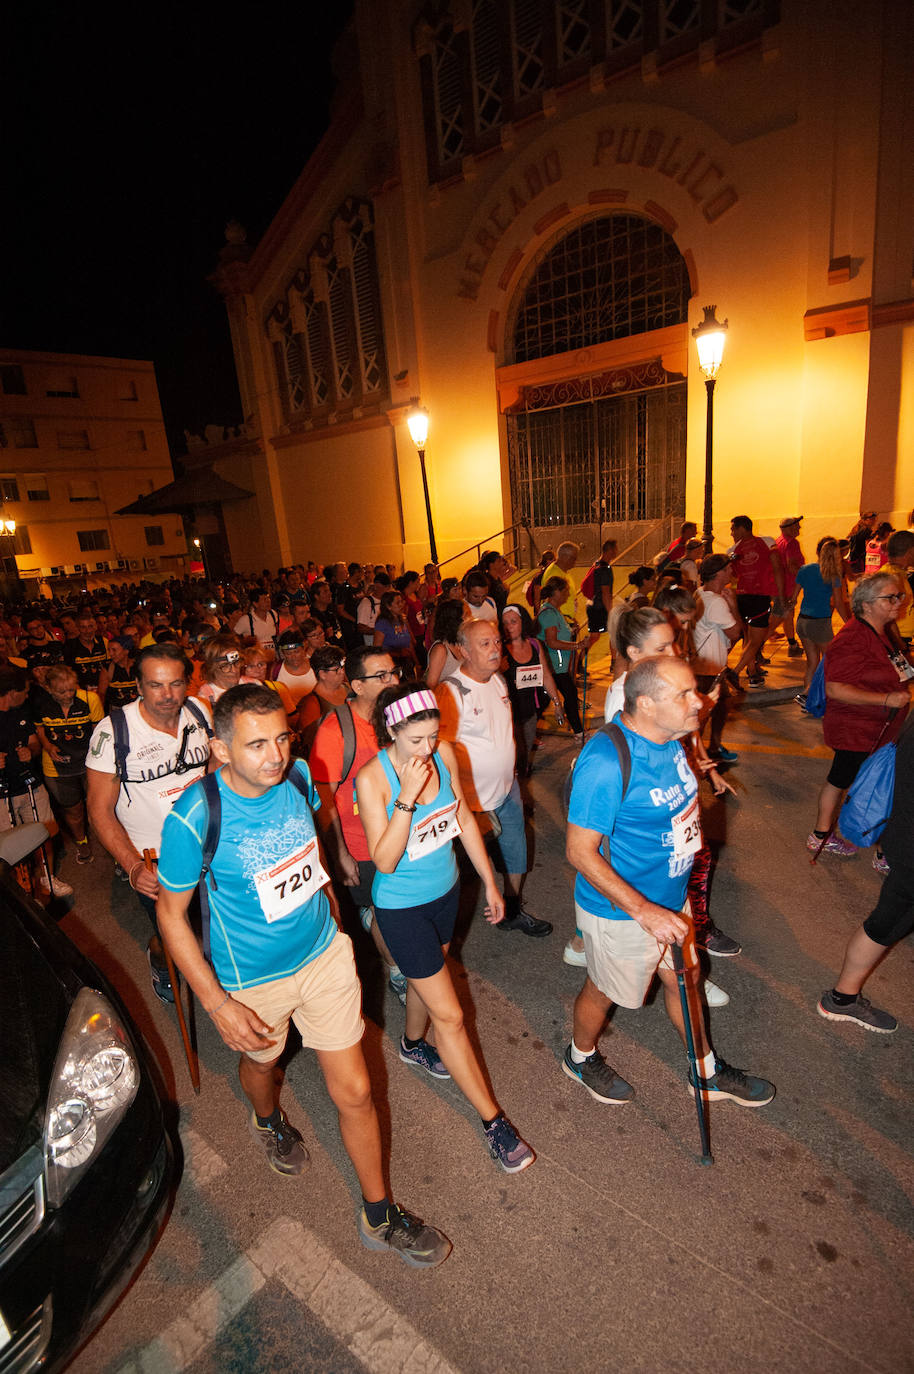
[{"x": 275, "y": 756}]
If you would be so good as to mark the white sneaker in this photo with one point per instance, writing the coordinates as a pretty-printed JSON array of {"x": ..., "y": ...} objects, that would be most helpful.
[
  {"x": 573, "y": 956},
  {"x": 715, "y": 996},
  {"x": 57, "y": 886}
]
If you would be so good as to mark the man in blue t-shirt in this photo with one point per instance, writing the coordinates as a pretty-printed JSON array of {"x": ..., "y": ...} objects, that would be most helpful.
[
  {"x": 633, "y": 848},
  {"x": 276, "y": 950}
]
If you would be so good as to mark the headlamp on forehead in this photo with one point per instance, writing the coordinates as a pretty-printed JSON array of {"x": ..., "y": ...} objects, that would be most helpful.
[
  {"x": 229, "y": 658},
  {"x": 284, "y": 648}
]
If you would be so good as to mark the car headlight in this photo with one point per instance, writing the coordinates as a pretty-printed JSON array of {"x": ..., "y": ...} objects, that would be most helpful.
[{"x": 94, "y": 1082}]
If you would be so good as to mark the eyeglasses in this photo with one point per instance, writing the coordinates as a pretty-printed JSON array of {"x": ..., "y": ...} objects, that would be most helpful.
[
  {"x": 890, "y": 596},
  {"x": 386, "y": 675}
]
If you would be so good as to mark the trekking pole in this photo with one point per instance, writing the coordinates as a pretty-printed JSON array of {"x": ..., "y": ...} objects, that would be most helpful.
[
  {"x": 30, "y": 789},
  {"x": 679, "y": 966},
  {"x": 584, "y": 702},
  {"x": 23, "y": 870},
  {"x": 193, "y": 1066}
]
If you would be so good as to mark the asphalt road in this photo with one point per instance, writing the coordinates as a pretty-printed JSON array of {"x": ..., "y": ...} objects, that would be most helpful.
[{"x": 615, "y": 1251}]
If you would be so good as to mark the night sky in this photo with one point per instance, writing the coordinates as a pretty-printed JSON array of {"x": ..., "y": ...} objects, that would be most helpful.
[{"x": 126, "y": 152}]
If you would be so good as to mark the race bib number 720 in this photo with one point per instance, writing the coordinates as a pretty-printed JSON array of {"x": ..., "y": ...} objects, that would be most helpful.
[{"x": 290, "y": 883}]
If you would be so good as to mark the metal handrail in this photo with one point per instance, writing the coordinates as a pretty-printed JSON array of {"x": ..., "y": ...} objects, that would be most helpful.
[
  {"x": 641, "y": 538},
  {"x": 478, "y": 546}
]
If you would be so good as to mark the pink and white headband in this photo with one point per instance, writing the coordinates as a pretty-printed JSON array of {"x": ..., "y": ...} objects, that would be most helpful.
[{"x": 404, "y": 707}]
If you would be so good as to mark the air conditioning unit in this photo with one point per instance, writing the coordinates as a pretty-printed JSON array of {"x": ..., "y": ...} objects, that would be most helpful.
[
  {"x": 46, "y": 572},
  {"x": 150, "y": 564},
  {"x": 121, "y": 565},
  {"x": 70, "y": 569},
  {"x": 134, "y": 564},
  {"x": 99, "y": 567},
  {"x": 57, "y": 572}
]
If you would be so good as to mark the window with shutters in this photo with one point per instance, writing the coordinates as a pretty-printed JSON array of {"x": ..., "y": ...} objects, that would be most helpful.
[
  {"x": 20, "y": 540},
  {"x": 476, "y": 79},
  {"x": 36, "y": 487},
  {"x": 83, "y": 489},
  {"x": 12, "y": 380},
  {"x": 154, "y": 534},
  {"x": 9, "y": 489},
  {"x": 326, "y": 332},
  {"x": 73, "y": 438},
  {"x": 93, "y": 539},
  {"x": 19, "y": 431}
]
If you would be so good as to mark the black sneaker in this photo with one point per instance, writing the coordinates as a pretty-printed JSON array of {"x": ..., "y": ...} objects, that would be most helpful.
[
  {"x": 283, "y": 1146},
  {"x": 733, "y": 1083},
  {"x": 794, "y": 650},
  {"x": 755, "y": 682},
  {"x": 418, "y": 1245},
  {"x": 602, "y": 1082},
  {"x": 716, "y": 942},
  {"x": 526, "y": 924},
  {"x": 161, "y": 983},
  {"x": 861, "y": 1012},
  {"x": 763, "y": 661}
]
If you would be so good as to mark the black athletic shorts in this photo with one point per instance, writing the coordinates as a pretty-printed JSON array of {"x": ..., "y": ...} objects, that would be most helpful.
[
  {"x": 755, "y": 610},
  {"x": 414, "y": 934},
  {"x": 845, "y": 766},
  {"x": 893, "y": 915}
]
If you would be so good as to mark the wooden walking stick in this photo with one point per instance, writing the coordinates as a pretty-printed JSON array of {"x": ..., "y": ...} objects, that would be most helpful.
[{"x": 193, "y": 1065}]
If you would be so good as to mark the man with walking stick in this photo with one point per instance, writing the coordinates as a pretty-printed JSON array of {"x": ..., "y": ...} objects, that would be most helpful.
[
  {"x": 633, "y": 828},
  {"x": 140, "y": 760}
]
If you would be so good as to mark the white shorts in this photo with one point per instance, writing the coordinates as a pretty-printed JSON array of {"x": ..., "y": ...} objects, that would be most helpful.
[{"x": 622, "y": 958}]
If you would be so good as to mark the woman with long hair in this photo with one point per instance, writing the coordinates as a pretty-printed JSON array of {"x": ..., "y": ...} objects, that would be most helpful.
[
  {"x": 412, "y": 809},
  {"x": 561, "y": 648},
  {"x": 392, "y": 632},
  {"x": 824, "y": 590},
  {"x": 443, "y": 657}
]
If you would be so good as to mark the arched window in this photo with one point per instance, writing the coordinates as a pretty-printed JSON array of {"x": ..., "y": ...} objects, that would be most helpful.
[
  {"x": 612, "y": 276},
  {"x": 603, "y": 453}
]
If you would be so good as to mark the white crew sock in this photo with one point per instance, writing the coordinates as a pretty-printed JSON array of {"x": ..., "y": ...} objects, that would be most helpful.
[
  {"x": 578, "y": 1056},
  {"x": 707, "y": 1067}
]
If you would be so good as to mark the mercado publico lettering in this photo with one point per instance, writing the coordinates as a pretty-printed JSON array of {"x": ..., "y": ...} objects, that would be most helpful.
[{"x": 625, "y": 145}]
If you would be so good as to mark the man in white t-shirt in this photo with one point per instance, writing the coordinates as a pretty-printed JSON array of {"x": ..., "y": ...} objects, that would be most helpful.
[
  {"x": 260, "y": 620},
  {"x": 716, "y": 631},
  {"x": 476, "y": 719},
  {"x": 132, "y": 791}
]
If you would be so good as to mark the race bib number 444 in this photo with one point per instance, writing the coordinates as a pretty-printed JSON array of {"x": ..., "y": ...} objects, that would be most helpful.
[
  {"x": 530, "y": 677},
  {"x": 290, "y": 883},
  {"x": 435, "y": 830}
]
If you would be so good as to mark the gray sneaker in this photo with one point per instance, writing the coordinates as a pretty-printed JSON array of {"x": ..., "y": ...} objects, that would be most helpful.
[
  {"x": 418, "y": 1245},
  {"x": 602, "y": 1082},
  {"x": 283, "y": 1146},
  {"x": 861, "y": 1012}
]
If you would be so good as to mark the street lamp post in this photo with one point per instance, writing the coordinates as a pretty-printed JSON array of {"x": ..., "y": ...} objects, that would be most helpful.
[
  {"x": 710, "y": 337},
  {"x": 202, "y": 552},
  {"x": 417, "y": 420}
]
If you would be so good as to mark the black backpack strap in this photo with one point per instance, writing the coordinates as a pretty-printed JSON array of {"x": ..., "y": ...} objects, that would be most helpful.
[
  {"x": 343, "y": 715},
  {"x": 625, "y": 758},
  {"x": 121, "y": 741},
  {"x": 199, "y": 716},
  {"x": 298, "y": 782},
  {"x": 213, "y": 800},
  {"x": 455, "y": 682}
]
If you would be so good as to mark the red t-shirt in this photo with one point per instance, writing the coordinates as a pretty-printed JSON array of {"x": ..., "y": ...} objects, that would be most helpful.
[
  {"x": 326, "y": 764},
  {"x": 859, "y": 656},
  {"x": 789, "y": 551},
  {"x": 752, "y": 565}
]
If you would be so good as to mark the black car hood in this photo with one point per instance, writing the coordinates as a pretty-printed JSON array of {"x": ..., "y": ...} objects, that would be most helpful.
[{"x": 33, "y": 1010}]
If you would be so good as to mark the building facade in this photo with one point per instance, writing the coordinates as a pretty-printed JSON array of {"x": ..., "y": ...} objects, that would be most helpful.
[
  {"x": 515, "y": 218},
  {"x": 81, "y": 437}
]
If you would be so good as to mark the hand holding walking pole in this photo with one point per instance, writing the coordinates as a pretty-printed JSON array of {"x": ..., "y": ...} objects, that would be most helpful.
[
  {"x": 679, "y": 966},
  {"x": 193, "y": 1067}
]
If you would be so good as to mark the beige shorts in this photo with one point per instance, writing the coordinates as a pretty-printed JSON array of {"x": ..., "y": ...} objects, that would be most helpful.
[
  {"x": 23, "y": 808},
  {"x": 622, "y": 958},
  {"x": 324, "y": 999}
]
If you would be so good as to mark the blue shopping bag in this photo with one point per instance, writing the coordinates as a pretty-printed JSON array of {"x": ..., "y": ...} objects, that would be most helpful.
[
  {"x": 815, "y": 696},
  {"x": 868, "y": 803}
]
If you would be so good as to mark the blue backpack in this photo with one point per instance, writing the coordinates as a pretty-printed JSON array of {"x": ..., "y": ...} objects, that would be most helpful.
[
  {"x": 815, "y": 696},
  {"x": 869, "y": 802}
]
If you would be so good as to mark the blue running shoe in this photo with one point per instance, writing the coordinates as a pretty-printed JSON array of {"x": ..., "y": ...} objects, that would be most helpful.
[
  {"x": 424, "y": 1056},
  {"x": 507, "y": 1148},
  {"x": 602, "y": 1082}
]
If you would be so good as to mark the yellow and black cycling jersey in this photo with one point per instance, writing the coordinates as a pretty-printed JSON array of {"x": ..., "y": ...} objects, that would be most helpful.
[{"x": 69, "y": 731}]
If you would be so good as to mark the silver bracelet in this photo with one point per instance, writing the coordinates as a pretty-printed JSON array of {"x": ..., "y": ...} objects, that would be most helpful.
[{"x": 212, "y": 1011}]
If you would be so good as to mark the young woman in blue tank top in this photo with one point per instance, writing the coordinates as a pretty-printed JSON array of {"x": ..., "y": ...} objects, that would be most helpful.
[{"x": 412, "y": 809}]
